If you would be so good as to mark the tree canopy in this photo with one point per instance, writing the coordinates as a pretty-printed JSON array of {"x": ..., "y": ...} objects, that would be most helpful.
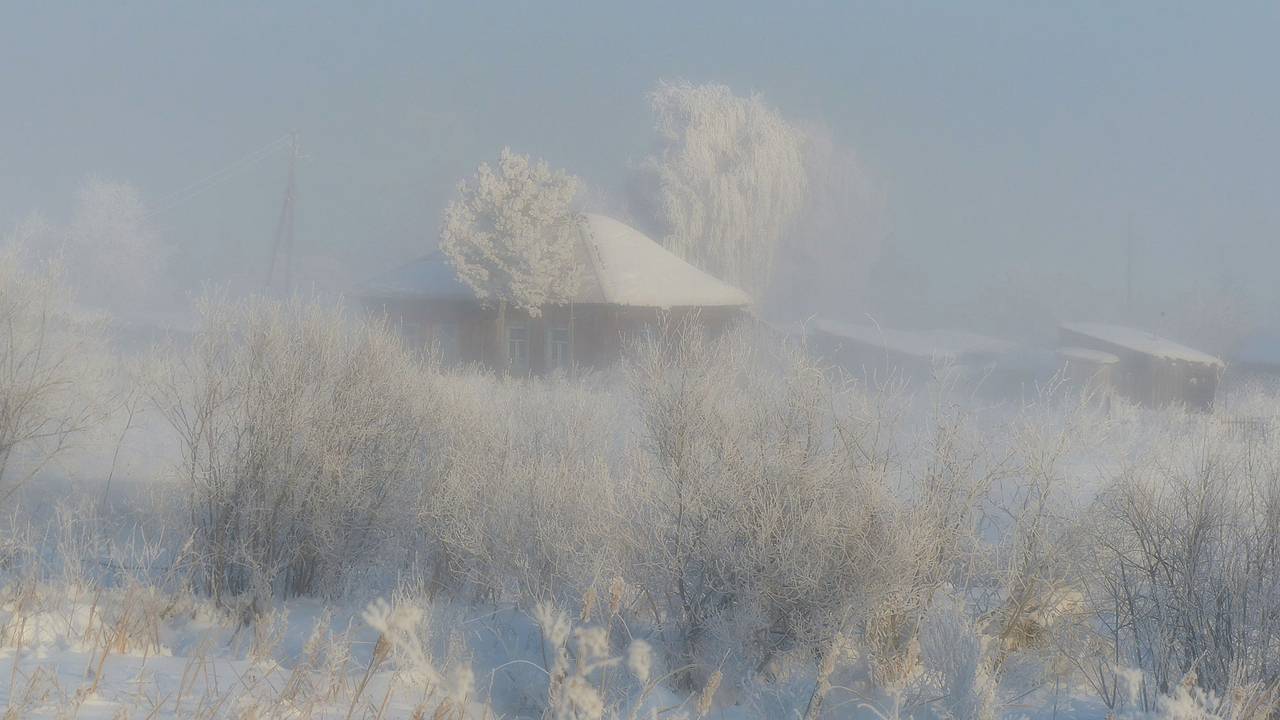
[
  {"x": 729, "y": 177},
  {"x": 511, "y": 233}
]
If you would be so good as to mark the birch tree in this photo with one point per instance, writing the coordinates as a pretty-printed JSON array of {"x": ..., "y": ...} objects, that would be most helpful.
[
  {"x": 52, "y": 370},
  {"x": 729, "y": 177}
]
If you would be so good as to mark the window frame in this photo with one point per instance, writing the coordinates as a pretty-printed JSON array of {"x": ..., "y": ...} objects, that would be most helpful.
[
  {"x": 557, "y": 345},
  {"x": 518, "y": 361}
]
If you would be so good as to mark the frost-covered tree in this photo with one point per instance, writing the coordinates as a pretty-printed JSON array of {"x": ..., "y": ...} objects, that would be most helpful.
[
  {"x": 109, "y": 251},
  {"x": 511, "y": 233},
  {"x": 51, "y": 371},
  {"x": 728, "y": 179}
]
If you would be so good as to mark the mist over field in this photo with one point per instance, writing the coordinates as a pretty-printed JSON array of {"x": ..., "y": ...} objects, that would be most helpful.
[{"x": 559, "y": 360}]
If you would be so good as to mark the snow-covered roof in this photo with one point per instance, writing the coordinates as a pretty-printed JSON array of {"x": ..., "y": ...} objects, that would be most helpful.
[
  {"x": 634, "y": 270},
  {"x": 621, "y": 266},
  {"x": 930, "y": 344},
  {"x": 1096, "y": 357},
  {"x": 1140, "y": 341}
]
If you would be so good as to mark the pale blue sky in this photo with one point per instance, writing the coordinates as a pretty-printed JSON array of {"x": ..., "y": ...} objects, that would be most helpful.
[{"x": 1005, "y": 135}]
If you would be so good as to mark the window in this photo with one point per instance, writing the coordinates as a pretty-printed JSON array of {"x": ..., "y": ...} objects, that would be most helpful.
[
  {"x": 559, "y": 349},
  {"x": 518, "y": 347}
]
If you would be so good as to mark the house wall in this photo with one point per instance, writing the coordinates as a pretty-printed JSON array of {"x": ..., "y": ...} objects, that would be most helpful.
[
  {"x": 469, "y": 333},
  {"x": 1089, "y": 375},
  {"x": 452, "y": 328}
]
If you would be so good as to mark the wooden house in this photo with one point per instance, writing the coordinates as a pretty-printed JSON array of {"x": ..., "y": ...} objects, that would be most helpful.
[
  {"x": 1149, "y": 369},
  {"x": 627, "y": 283}
]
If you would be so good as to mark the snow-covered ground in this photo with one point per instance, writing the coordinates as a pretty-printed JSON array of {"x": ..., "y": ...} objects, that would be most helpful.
[{"x": 73, "y": 651}]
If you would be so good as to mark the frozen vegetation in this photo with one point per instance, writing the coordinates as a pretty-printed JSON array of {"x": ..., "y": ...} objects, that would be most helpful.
[
  {"x": 290, "y": 515},
  {"x": 251, "y": 474}
]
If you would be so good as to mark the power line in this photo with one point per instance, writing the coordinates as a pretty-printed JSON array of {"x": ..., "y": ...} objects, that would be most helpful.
[
  {"x": 208, "y": 182},
  {"x": 284, "y": 227}
]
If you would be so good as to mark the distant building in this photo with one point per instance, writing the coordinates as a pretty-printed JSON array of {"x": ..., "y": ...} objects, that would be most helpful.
[
  {"x": 1149, "y": 369},
  {"x": 1088, "y": 369},
  {"x": 628, "y": 282},
  {"x": 872, "y": 349}
]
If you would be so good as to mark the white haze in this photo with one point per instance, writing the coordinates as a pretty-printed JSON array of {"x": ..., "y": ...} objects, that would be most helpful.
[
  {"x": 1012, "y": 155},
  {"x": 219, "y": 499}
]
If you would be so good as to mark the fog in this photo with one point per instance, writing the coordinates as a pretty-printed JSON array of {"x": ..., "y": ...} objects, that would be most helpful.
[
  {"x": 884, "y": 361},
  {"x": 1028, "y": 163}
]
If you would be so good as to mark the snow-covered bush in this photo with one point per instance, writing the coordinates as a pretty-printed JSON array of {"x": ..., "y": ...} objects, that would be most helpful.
[
  {"x": 954, "y": 656},
  {"x": 520, "y": 496},
  {"x": 1032, "y": 561},
  {"x": 52, "y": 370},
  {"x": 778, "y": 507},
  {"x": 1184, "y": 576},
  {"x": 301, "y": 442}
]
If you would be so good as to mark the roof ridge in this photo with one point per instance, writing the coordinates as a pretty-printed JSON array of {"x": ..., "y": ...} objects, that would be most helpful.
[
  {"x": 593, "y": 254},
  {"x": 615, "y": 263}
]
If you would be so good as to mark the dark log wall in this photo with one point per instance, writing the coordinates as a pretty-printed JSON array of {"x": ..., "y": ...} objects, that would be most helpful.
[
  {"x": 468, "y": 332},
  {"x": 1155, "y": 381}
]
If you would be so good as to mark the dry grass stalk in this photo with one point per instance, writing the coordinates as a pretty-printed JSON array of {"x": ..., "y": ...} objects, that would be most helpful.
[
  {"x": 588, "y": 604},
  {"x": 381, "y": 651},
  {"x": 617, "y": 587},
  {"x": 706, "y": 700}
]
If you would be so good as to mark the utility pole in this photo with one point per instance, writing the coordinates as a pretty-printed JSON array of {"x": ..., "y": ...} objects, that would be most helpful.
[
  {"x": 1128, "y": 269},
  {"x": 284, "y": 226}
]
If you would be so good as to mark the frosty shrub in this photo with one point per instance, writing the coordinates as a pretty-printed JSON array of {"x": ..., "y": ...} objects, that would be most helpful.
[
  {"x": 778, "y": 508},
  {"x": 300, "y": 443},
  {"x": 760, "y": 504},
  {"x": 520, "y": 497},
  {"x": 1027, "y": 571},
  {"x": 52, "y": 366},
  {"x": 1185, "y": 571},
  {"x": 953, "y": 656}
]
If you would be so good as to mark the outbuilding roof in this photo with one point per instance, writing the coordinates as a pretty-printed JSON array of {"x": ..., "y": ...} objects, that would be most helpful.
[
  {"x": 1096, "y": 357},
  {"x": 621, "y": 265},
  {"x": 946, "y": 345},
  {"x": 1119, "y": 337}
]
